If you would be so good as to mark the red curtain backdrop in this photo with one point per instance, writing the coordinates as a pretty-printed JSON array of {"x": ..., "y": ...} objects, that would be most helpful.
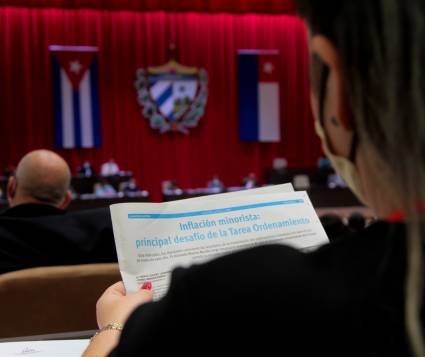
[
  {"x": 232, "y": 6},
  {"x": 130, "y": 40}
]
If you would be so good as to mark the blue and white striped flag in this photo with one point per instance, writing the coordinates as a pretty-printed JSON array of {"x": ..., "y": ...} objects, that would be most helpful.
[
  {"x": 259, "y": 95},
  {"x": 76, "y": 96}
]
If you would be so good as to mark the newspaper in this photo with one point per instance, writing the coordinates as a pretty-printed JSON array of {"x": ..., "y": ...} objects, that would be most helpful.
[
  {"x": 52, "y": 348},
  {"x": 154, "y": 238}
]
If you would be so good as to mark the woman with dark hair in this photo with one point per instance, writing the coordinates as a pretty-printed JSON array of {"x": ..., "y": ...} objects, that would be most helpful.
[{"x": 360, "y": 296}]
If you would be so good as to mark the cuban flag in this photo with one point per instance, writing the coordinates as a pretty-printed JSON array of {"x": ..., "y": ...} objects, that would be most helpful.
[
  {"x": 76, "y": 96},
  {"x": 259, "y": 100}
]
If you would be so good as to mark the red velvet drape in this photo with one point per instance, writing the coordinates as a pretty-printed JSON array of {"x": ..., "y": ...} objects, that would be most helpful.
[
  {"x": 229, "y": 6},
  {"x": 130, "y": 40}
]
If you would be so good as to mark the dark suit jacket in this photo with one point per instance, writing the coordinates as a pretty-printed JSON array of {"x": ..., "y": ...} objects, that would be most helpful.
[{"x": 41, "y": 235}]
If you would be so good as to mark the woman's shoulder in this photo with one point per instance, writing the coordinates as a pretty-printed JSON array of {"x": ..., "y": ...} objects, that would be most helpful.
[
  {"x": 368, "y": 245},
  {"x": 256, "y": 296},
  {"x": 366, "y": 248},
  {"x": 336, "y": 276}
]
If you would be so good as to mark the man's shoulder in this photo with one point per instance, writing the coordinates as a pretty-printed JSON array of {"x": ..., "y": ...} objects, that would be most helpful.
[
  {"x": 80, "y": 237},
  {"x": 99, "y": 217},
  {"x": 28, "y": 210}
]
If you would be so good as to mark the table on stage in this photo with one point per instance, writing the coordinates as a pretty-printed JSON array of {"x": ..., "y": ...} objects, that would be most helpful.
[
  {"x": 89, "y": 201},
  {"x": 320, "y": 197}
]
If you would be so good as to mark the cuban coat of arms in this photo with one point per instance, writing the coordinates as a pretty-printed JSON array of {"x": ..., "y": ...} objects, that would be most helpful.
[{"x": 173, "y": 96}]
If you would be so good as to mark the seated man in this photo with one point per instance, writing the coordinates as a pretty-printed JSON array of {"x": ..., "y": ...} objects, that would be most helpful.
[
  {"x": 37, "y": 231},
  {"x": 85, "y": 169},
  {"x": 216, "y": 184},
  {"x": 250, "y": 181},
  {"x": 170, "y": 187},
  {"x": 104, "y": 189},
  {"x": 129, "y": 187},
  {"x": 109, "y": 168}
]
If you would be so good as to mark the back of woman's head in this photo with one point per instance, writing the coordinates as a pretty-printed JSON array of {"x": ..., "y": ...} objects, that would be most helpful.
[
  {"x": 382, "y": 49},
  {"x": 381, "y": 44}
]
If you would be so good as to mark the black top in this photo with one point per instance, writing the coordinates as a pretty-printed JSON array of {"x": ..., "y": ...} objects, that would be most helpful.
[
  {"x": 33, "y": 235},
  {"x": 345, "y": 299}
]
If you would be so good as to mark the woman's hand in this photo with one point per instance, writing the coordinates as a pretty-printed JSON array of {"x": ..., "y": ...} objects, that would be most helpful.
[{"x": 115, "y": 307}]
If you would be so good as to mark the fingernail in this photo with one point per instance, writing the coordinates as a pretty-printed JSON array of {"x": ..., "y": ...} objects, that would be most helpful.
[{"x": 147, "y": 285}]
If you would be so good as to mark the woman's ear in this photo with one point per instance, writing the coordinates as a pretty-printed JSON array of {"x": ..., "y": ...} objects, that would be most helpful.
[
  {"x": 337, "y": 100},
  {"x": 335, "y": 117}
]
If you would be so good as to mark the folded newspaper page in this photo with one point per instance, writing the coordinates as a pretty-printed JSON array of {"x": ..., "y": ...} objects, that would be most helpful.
[{"x": 154, "y": 238}]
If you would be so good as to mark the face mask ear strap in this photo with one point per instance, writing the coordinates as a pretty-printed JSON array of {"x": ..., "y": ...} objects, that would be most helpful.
[
  {"x": 322, "y": 97},
  {"x": 322, "y": 94},
  {"x": 353, "y": 150}
]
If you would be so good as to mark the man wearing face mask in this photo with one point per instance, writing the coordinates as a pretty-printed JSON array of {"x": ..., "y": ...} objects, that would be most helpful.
[{"x": 360, "y": 296}]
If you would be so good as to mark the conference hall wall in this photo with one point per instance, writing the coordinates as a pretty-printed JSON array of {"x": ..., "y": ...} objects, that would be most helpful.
[{"x": 129, "y": 40}]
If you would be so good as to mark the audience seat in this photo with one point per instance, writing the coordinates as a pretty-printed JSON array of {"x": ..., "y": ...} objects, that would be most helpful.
[{"x": 53, "y": 299}]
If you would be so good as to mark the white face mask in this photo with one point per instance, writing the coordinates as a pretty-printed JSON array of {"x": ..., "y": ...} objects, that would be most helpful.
[{"x": 343, "y": 167}]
